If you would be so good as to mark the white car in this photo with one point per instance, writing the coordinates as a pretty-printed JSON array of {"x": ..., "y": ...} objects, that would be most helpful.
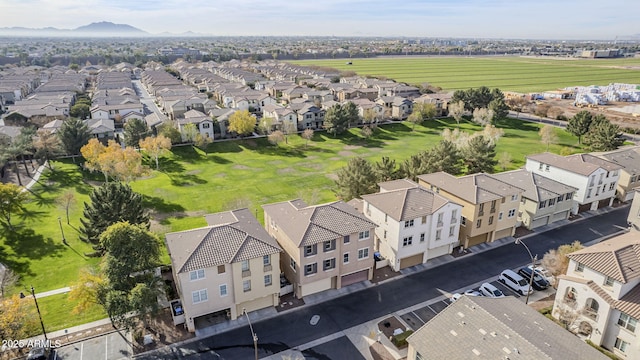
[
  {"x": 472, "y": 292},
  {"x": 544, "y": 273},
  {"x": 455, "y": 297},
  {"x": 516, "y": 282},
  {"x": 491, "y": 291}
]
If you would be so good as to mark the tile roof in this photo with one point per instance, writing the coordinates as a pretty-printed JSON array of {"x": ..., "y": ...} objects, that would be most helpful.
[
  {"x": 629, "y": 303},
  {"x": 618, "y": 257},
  {"x": 536, "y": 187},
  {"x": 231, "y": 236},
  {"x": 475, "y": 188},
  {"x": 406, "y": 204},
  {"x": 583, "y": 164},
  {"x": 628, "y": 158},
  {"x": 397, "y": 184},
  {"x": 504, "y": 328}
]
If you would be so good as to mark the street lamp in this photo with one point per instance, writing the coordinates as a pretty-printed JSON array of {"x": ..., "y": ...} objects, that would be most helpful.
[
  {"x": 533, "y": 267},
  {"x": 64, "y": 240},
  {"x": 254, "y": 335},
  {"x": 22, "y": 296}
]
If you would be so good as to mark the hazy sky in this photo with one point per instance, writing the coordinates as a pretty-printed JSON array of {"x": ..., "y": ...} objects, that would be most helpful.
[{"x": 553, "y": 19}]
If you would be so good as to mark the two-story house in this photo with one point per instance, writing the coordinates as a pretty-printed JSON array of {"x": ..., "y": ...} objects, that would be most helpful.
[
  {"x": 629, "y": 159},
  {"x": 633, "y": 218},
  {"x": 414, "y": 224},
  {"x": 325, "y": 246},
  {"x": 543, "y": 201},
  {"x": 229, "y": 266},
  {"x": 310, "y": 117},
  {"x": 595, "y": 178},
  {"x": 599, "y": 296},
  {"x": 202, "y": 122},
  {"x": 489, "y": 206}
]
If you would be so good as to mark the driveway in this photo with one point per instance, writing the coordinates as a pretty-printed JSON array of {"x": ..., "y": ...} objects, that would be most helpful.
[{"x": 109, "y": 347}]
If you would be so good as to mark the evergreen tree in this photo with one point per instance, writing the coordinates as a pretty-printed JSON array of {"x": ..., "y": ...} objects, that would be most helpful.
[
  {"x": 385, "y": 169},
  {"x": 445, "y": 157},
  {"x": 499, "y": 108},
  {"x": 335, "y": 120},
  {"x": 135, "y": 130},
  {"x": 479, "y": 155},
  {"x": 350, "y": 111},
  {"x": 111, "y": 203},
  {"x": 415, "y": 165},
  {"x": 579, "y": 124},
  {"x": 355, "y": 179},
  {"x": 74, "y": 134},
  {"x": 603, "y": 135}
]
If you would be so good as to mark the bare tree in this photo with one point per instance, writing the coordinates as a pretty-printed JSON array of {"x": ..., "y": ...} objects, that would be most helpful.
[
  {"x": 456, "y": 110},
  {"x": 556, "y": 260},
  {"x": 366, "y": 132},
  {"x": 66, "y": 201},
  {"x": 276, "y": 137},
  {"x": 548, "y": 135},
  {"x": 504, "y": 161},
  {"x": 307, "y": 135},
  {"x": 482, "y": 116},
  {"x": 555, "y": 112},
  {"x": 8, "y": 280}
]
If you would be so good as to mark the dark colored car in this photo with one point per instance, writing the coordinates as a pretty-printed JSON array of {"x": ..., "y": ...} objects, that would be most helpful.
[
  {"x": 539, "y": 283},
  {"x": 39, "y": 353}
]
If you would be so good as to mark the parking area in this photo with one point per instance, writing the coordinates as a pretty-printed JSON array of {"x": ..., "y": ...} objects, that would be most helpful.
[{"x": 110, "y": 347}]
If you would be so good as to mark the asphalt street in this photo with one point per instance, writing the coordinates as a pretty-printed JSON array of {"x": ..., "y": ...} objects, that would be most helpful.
[{"x": 293, "y": 329}]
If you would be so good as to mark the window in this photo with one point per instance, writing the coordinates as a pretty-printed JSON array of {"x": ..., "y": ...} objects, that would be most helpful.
[
  {"x": 542, "y": 205},
  {"x": 345, "y": 258},
  {"x": 608, "y": 281},
  {"x": 589, "y": 193},
  {"x": 206, "y": 125},
  {"x": 246, "y": 285},
  {"x": 363, "y": 235},
  {"x": 478, "y": 223},
  {"x": 570, "y": 195},
  {"x": 493, "y": 207},
  {"x": 454, "y": 216},
  {"x": 490, "y": 220},
  {"x": 511, "y": 213},
  {"x": 346, "y": 239},
  {"x": 386, "y": 217},
  {"x": 612, "y": 186},
  {"x": 440, "y": 217},
  {"x": 570, "y": 295},
  {"x": 438, "y": 234},
  {"x": 408, "y": 223},
  {"x": 552, "y": 202},
  {"x": 579, "y": 267},
  {"x": 245, "y": 265},
  {"x": 407, "y": 241},
  {"x": 463, "y": 221},
  {"x": 541, "y": 166},
  {"x": 363, "y": 253},
  {"x": 199, "y": 296},
  {"x": 310, "y": 250},
  {"x": 621, "y": 345},
  {"x": 514, "y": 197},
  {"x": 221, "y": 269},
  {"x": 422, "y": 237},
  {"x": 223, "y": 290},
  {"x": 329, "y": 245},
  {"x": 292, "y": 263},
  {"x": 424, "y": 220},
  {"x": 627, "y": 322},
  {"x": 266, "y": 260},
  {"x": 267, "y": 280},
  {"x": 546, "y": 167},
  {"x": 329, "y": 264},
  {"x": 196, "y": 274},
  {"x": 500, "y": 216},
  {"x": 591, "y": 307},
  {"x": 452, "y": 230},
  {"x": 481, "y": 209},
  {"x": 385, "y": 234},
  {"x": 559, "y": 199},
  {"x": 310, "y": 269},
  {"x": 634, "y": 178}
]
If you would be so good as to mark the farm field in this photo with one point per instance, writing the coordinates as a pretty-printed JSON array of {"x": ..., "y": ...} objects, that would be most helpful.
[
  {"x": 233, "y": 174},
  {"x": 522, "y": 74}
]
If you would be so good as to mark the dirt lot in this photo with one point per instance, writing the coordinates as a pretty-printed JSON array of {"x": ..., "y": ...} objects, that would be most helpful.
[{"x": 620, "y": 118}]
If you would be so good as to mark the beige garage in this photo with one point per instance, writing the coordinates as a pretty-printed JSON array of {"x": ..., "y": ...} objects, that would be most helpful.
[
  {"x": 354, "y": 278},
  {"x": 411, "y": 261}
]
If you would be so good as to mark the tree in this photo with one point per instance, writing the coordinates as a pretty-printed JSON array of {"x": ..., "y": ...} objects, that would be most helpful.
[
  {"x": 168, "y": 130},
  {"x": 491, "y": 133},
  {"x": 518, "y": 104},
  {"x": 189, "y": 133},
  {"x": 385, "y": 169},
  {"x": 479, "y": 155},
  {"x": 135, "y": 130},
  {"x": 548, "y": 135},
  {"x": 67, "y": 200},
  {"x": 74, "y": 134},
  {"x": 603, "y": 136},
  {"x": 456, "y": 110},
  {"x": 499, "y": 108},
  {"x": 307, "y": 135},
  {"x": 202, "y": 141},
  {"x": 86, "y": 289},
  {"x": 556, "y": 112},
  {"x": 111, "y": 203},
  {"x": 266, "y": 125},
  {"x": 155, "y": 147},
  {"x": 12, "y": 203},
  {"x": 20, "y": 146},
  {"x": 47, "y": 146},
  {"x": 276, "y": 137},
  {"x": 370, "y": 117},
  {"x": 445, "y": 157},
  {"x": 415, "y": 118},
  {"x": 556, "y": 261},
  {"x": 504, "y": 161},
  {"x": 579, "y": 124},
  {"x": 242, "y": 123},
  {"x": 415, "y": 165},
  {"x": 112, "y": 160},
  {"x": 80, "y": 110},
  {"x": 351, "y": 114},
  {"x": 335, "y": 120},
  {"x": 8, "y": 280},
  {"x": 476, "y": 98},
  {"x": 355, "y": 179},
  {"x": 18, "y": 318},
  {"x": 482, "y": 116},
  {"x": 366, "y": 132}
]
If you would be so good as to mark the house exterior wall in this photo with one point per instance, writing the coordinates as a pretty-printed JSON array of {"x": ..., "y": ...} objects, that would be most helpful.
[
  {"x": 634, "y": 211},
  {"x": 206, "y": 129},
  {"x": 624, "y": 190},
  {"x": 530, "y": 212},
  {"x": 260, "y": 294}
]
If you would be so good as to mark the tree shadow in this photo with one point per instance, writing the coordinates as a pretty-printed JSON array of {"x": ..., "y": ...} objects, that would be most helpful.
[
  {"x": 281, "y": 151},
  {"x": 185, "y": 179},
  {"x": 40, "y": 200},
  {"x": 167, "y": 165},
  {"x": 230, "y": 146},
  {"x": 189, "y": 154},
  {"x": 160, "y": 205},
  {"x": 510, "y": 123},
  {"x": 218, "y": 159},
  {"x": 19, "y": 266},
  {"x": 27, "y": 244}
]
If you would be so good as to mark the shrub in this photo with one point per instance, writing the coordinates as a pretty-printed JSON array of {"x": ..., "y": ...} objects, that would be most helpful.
[
  {"x": 400, "y": 341},
  {"x": 606, "y": 352}
]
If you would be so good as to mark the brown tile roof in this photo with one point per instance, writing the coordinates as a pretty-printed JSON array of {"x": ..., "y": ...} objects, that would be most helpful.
[
  {"x": 396, "y": 185},
  {"x": 406, "y": 204},
  {"x": 475, "y": 189},
  {"x": 628, "y": 158},
  {"x": 583, "y": 164},
  {"x": 630, "y": 303},
  {"x": 536, "y": 187},
  {"x": 618, "y": 257},
  {"x": 231, "y": 236},
  {"x": 307, "y": 225}
]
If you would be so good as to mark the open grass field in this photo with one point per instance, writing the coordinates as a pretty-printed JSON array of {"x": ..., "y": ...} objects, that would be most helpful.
[
  {"x": 233, "y": 174},
  {"x": 522, "y": 74}
]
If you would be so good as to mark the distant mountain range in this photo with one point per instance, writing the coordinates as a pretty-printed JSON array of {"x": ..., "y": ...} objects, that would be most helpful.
[{"x": 97, "y": 29}]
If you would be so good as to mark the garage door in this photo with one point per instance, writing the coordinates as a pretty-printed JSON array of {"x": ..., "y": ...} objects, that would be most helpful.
[
  {"x": 584, "y": 207},
  {"x": 503, "y": 233},
  {"x": 354, "y": 278},
  {"x": 475, "y": 240},
  {"x": 561, "y": 216},
  {"x": 539, "y": 222},
  {"x": 411, "y": 261},
  {"x": 603, "y": 203}
]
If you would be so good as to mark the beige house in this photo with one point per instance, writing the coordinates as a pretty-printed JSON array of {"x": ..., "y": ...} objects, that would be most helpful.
[
  {"x": 230, "y": 265},
  {"x": 489, "y": 206},
  {"x": 325, "y": 246},
  {"x": 543, "y": 201},
  {"x": 629, "y": 159},
  {"x": 634, "y": 212}
]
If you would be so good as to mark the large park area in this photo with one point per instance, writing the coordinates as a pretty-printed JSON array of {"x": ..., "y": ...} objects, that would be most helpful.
[{"x": 229, "y": 175}]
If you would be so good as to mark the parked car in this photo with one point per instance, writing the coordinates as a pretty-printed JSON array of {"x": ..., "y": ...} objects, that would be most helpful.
[
  {"x": 39, "y": 353},
  {"x": 539, "y": 282},
  {"x": 514, "y": 281},
  {"x": 472, "y": 292},
  {"x": 455, "y": 297},
  {"x": 544, "y": 273},
  {"x": 491, "y": 291}
]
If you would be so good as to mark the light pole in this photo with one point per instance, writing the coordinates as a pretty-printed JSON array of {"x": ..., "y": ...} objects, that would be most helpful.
[
  {"x": 254, "y": 335},
  {"x": 533, "y": 268},
  {"x": 33, "y": 292},
  {"x": 64, "y": 240}
]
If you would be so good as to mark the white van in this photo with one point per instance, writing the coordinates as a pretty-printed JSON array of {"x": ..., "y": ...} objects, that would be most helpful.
[{"x": 515, "y": 282}]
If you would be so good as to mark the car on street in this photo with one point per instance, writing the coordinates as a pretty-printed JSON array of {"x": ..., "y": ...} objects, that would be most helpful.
[
  {"x": 491, "y": 291},
  {"x": 39, "y": 353},
  {"x": 515, "y": 282},
  {"x": 538, "y": 283},
  {"x": 544, "y": 273},
  {"x": 472, "y": 292}
]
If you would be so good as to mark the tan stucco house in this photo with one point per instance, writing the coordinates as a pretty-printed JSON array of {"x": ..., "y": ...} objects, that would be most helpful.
[{"x": 629, "y": 159}]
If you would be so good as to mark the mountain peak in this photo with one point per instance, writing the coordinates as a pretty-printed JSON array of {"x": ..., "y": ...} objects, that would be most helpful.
[{"x": 106, "y": 26}]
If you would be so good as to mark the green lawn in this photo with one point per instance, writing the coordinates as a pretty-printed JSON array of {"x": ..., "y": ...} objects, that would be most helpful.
[
  {"x": 507, "y": 73},
  {"x": 57, "y": 313},
  {"x": 234, "y": 174}
]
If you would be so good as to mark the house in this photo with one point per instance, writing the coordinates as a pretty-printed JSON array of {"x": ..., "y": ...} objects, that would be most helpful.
[
  {"x": 490, "y": 328},
  {"x": 634, "y": 212},
  {"x": 202, "y": 122},
  {"x": 325, "y": 246},
  {"x": 543, "y": 201},
  {"x": 599, "y": 297},
  {"x": 595, "y": 178},
  {"x": 283, "y": 118},
  {"x": 230, "y": 265},
  {"x": 101, "y": 129},
  {"x": 414, "y": 224},
  {"x": 439, "y": 100},
  {"x": 629, "y": 159},
  {"x": 401, "y": 108},
  {"x": 489, "y": 205},
  {"x": 310, "y": 117}
]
